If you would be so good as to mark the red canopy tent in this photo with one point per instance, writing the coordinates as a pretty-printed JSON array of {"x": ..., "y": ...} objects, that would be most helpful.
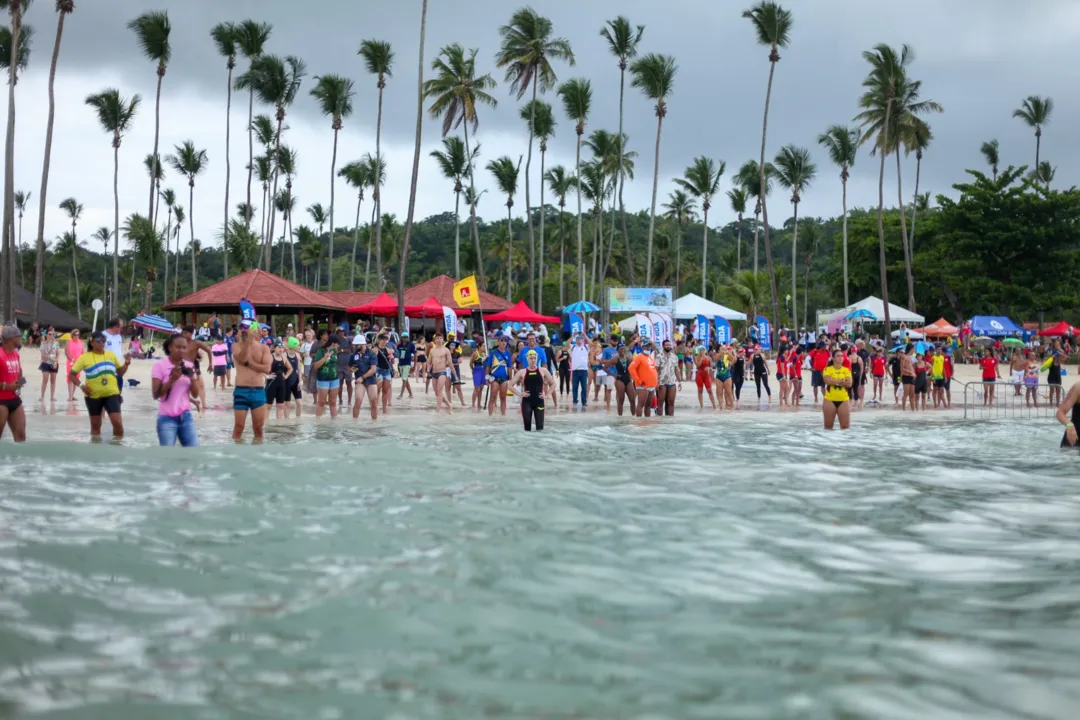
[
  {"x": 522, "y": 313},
  {"x": 430, "y": 308},
  {"x": 382, "y": 306},
  {"x": 1062, "y": 328},
  {"x": 940, "y": 328}
]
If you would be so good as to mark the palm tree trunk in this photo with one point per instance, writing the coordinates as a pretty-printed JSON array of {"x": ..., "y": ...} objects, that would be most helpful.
[
  {"x": 39, "y": 263},
  {"x": 355, "y": 242},
  {"x": 580, "y": 256},
  {"x": 75, "y": 266},
  {"x": 378, "y": 195},
  {"x": 292, "y": 244},
  {"x": 116, "y": 223},
  {"x": 333, "y": 168},
  {"x": 806, "y": 295},
  {"x": 157, "y": 135},
  {"x": 652, "y": 211},
  {"x": 262, "y": 220},
  {"x": 794, "y": 259},
  {"x": 678, "y": 257},
  {"x": 1038, "y": 143},
  {"x": 843, "y": 185},
  {"x": 8, "y": 281},
  {"x": 17, "y": 254},
  {"x": 704, "y": 249},
  {"x": 472, "y": 213},
  {"x": 131, "y": 284},
  {"x": 509, "y": 253},
  {"x": 738, "y": 246},
  {"x": 540, "y": 293},
  {"x": 761, "y": 190},
  {"x": 606, "y": 264},
  {"x": 622, "y": 177},
  {"x": 904, "y": 236},
  {"x": 757, "y": 214},
  {"x": 251, "y": 150},
  {"x": 915, "y": 205},
  {"x": 176, "y": 272},
  {"x": 370, "y": 242},
  {"x": 228, "y": 171},
  {"x": 562, "y": 253},
  {"x": 597, "y": 238},
  {"x": 273, "y": 193},
  {"x": 528, "y": 200},
  {"x": 457, "y": 235},
  {"x": 191, "y": 228},
  {"x": 403, "y": 261},
  {"x": 168, "y": 243},
  {"x": 881, "y": 225}
]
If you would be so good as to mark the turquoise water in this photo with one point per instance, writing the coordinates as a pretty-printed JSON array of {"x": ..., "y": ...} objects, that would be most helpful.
[{"x": 749, "y": 567}]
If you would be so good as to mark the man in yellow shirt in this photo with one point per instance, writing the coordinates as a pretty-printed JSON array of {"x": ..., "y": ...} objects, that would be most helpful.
[{"x": 101, "y": 388}]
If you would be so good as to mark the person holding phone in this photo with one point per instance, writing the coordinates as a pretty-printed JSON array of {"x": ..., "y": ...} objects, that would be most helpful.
[{"x": 171, "y": 386}]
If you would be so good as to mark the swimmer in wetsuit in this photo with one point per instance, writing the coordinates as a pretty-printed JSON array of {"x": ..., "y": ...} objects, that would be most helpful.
[
  {"x": 531, "y": 384},
  {"x": 1068, "y": 414}
]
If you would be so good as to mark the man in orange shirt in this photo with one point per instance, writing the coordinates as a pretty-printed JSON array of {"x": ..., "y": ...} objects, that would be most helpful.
[{"x": 643, "y": 372}]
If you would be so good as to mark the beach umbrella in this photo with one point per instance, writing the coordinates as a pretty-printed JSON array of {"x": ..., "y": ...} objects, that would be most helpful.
[
  {"x": 983, "y": 340},
  {"x": 582, "y": 306},
  {"x": 1013, "y": 342},
  {"x": 153, "y": 323},
  {"x": 861, "y": 313}
]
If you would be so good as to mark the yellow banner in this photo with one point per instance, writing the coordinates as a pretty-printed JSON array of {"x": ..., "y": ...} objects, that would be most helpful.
[{"x": 466, "y": 293}]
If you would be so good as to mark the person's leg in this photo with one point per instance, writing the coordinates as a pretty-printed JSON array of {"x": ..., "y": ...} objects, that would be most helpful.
[
  {"x": 670, "y": 409},
  {"x": 526, "y": 414},
  {"x": 828, "y": 411},
  {"x": 538, "y": 416},
  {"x": 650, "y": 397},
  {"x": 372, "y": 395},
  {"x": 4, "y": 414},
  {"x": 117, "y": 421},
  {"x": 757, "y": 384},
  {"x": 574, "y": 384},
  {"x": 607, "y": 394},
  {"x": 167, "y": 429},
  {"x": 661, "y": 400},
  {"x": 258, "y": 420},
  {"x": 187, "y": 433},
  {"x": 765, "y": 382},
  {"x": 239, "y": 421},
  {"x": 95, "y": 426},
  {"x": 620, "y": 396},
  {"x": 44, "y": 385},
  {"x": 844, "y": 413},
  {"x": 16, "y": 420},
  {"x": 333, "y": 402}
]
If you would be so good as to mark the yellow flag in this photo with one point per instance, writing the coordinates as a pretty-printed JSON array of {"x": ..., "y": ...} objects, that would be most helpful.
[{"x": 466, "y": 293}]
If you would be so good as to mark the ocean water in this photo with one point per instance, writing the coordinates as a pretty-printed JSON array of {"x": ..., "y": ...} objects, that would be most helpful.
[{"x": 749, "y": 567}]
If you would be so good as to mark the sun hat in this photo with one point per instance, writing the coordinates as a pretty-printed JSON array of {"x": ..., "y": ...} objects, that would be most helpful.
[{"x": 359, "y": 340}]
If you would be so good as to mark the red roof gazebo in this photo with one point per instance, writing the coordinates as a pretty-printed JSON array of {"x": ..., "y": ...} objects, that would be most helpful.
[
  {"x": 441, "y": 288},
  {"x": 270, "y": 294}
]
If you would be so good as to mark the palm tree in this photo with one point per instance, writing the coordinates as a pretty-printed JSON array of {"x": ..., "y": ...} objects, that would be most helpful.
[
  {"x": 318, "y": 215},
  {"x": 842, "y": 144},
  {"x": 526, "y": 53},
  {"x": 680, "y": 208},
  {"x": 226, "y": 37},
  {"x": 146, "y": 242},
  {"x": 596, "y": 188},
  {"x": 812, "y": 238},
  {"x": 561, "y": 183},
  {"x": 772, "y": 26},
  {"x": 310, "y": 251},
  {"x": 702, "y": 180},
  {"x": 67, "y": 245},
  {"x": 356, "y": 175},
  {"x": 795, "y": 171},
  {"x": 654, "y": 75},
  {"x": 285, "y": 203},
  {"x": 542, "y": 120},
  {"x": 379, "y": 59},
  {"x": 737, "y": 196},
  {"x": 455, "y": 92},
  {"x": 1044, "y": 173},
  {"x": 506, "y": 178},
  {"x": 990, "y": 151},
  {"x": 747, "y": 179},
  {"x": 623, "y": 40},
  {"x": 152, "y": 163},
  {"x": 63, "y": 9},
  {"x": 21, "y": 199},
  {"x": 179, "y": 214},
  {"x": 152, "y": 30},
  {"x": 115, "y": 115},
  {"x": 276, "y": 82},
  {"x": 74, "y": 209},
  {"x": 251, "y": 38},
  {"x": 376, "y": 172},
  {"x": 748, "y": 291},
  {"x": 189, "y": 162},
  {"x": 169, "y": 196},
  {"x": 334, "y": 94},
  {"x": 455, "y": 165},
  {"x": 16, "y": 57},
  {"x": 286, "y": 163},
  {"x": 1035, "y": 111},
  {"x": 916, "y": 138},
  {"x": 576, "y": 95},
  {"x": 604, "y": 166},
  {"x": 264, "y": 170},
  {"x": 242, "y": 245}
]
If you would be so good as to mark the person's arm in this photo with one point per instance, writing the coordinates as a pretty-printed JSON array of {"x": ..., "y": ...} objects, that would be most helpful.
[
  {"x": 288, "y": 370},
  {"x": 515, "y": 384},
  {"x": 321, "y": 361},
  {"x": 121, "y": 370},
  {"x": 549, "y": 381},
  {"x": 262, "y": 363},
  {"x": 635, "y": 370},
  {"x": 76, "y": 368}
]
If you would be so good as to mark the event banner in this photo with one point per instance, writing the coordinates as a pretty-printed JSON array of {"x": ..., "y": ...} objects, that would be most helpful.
[
  {"x": 669, "y": 327},
  {"x": 406, "y": 333},
  {"x": 701, "y": 330},
  {"x": 645, "y": 327},
  {"x": 635, "y": 300},
  {"x": 659, "y": 327},
  {"x": 723, "y": 330},
  {"x": 764, "y": 332},
  {"x": 449, "y": 320},
  {"x": 573, "y": 323}
]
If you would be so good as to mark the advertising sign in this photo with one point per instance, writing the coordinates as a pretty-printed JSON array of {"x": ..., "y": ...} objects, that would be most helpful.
[{"x": 635, "y": 300}]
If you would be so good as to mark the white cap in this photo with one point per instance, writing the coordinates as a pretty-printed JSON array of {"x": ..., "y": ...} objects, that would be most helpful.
[
  {"x": 359, "y": 340},
  {"x": 289, "y": 325}
]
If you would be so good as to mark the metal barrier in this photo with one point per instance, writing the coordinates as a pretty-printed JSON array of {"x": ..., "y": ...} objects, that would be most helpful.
[{"x": 1007, "y": 405}]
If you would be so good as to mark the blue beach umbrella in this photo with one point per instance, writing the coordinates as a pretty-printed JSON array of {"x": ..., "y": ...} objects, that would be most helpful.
[
  {"x": 582, "y": 306},
  {"x": 154, "y": 323},
  {"x": 862, "y": 313}
]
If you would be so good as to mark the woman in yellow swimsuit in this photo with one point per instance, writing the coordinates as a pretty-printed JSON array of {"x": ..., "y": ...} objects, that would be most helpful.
[{"x": 837, "y": 380}]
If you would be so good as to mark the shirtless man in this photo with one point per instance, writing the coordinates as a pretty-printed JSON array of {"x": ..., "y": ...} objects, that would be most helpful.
[
  {"x": 439, "y": 368},
  {"x": 249, "y": 395},
  {"x": 1017, "y": 365},
  {"x": 191, "y": 355}
]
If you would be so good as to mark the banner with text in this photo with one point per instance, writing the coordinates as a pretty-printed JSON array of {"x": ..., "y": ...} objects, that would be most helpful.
[
  {"x": 573, "y": 323},
  {"x": 645, "y": 327},
  {"x": 723, "y": 330},
  {"x": 636, "y": 300},
  {"x": 449, "y": 320},
  {"x": 764, "y": 332},
  {"x": 701, "y": 330}
]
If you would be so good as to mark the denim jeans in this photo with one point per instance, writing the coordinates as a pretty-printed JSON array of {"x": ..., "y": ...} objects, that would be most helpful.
[
  {"x": 580, "y": 377},
  {"x": 169, "y": 429}
]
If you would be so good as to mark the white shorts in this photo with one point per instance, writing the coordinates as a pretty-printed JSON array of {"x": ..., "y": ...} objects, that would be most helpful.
[
  {"x": 1017, "y": 377},
  {"x": 605, "y": 380}
]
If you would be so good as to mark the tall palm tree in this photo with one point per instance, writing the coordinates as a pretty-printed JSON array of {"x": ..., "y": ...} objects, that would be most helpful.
[
  {"x": 226, "y": 37},
  {"x": 243, "y": 244},
  {"x": 506, "y": 178},
  {"x": 251, "y": 39},
  {"x": 596, "y": 188},
  {"x": 1036, "y": 112},
  {"x": 67, "y": 245},
  {"x": 542, "y": 120},
  {"x": 526, "y": 53},
  {"x": 916, "y": 138},
  {"x": 63, "y": 9},
  {"x": 772, "y": 26},
  {"x": 455, "y": 91},
  {"x": 276, "y": 82},
  {"x": 285, "y": 203},
  {"x": 116, "y": 115},
  {"x": 168, "y": 195},
  {"x": 21, "y": 198},
  {"x": 702, "y": 180},
  {"x": 604, "y": 166},
  {"x": 626, "y": 158},
  {"x": 190, "y": 162},
  {"x": 286, "y": 162},
  {"x": 812, "y": 238},
  {"x": 737, "y": 196},
  {"x": 1044, "y": 173},
  {"x": 152, "y": 163},
  {"x": 15, "y": 58},
  {"x": 747, "y": 178},
  {"x": 152, "y": 31},
  {"x": 561, "y": 183},
  {"x": 179, "y": 215},
  {"x": 455, "y": 164},
  {"x": 748, "y": 291},
  {"x": 654, "y": 75},
  {"x": 146, "y": 243},
  {"x": 379, "y": 59},
  {"x": 264, "y": 171},
  {"x": 334, "y": 94},
  {"x": 991, "y": 151},
  {"x": 576, "y": 95},
  {"x": 795, "y": 171},
  {"x": 376, "y": 172},
  {"x": 680, "y": 207},
  {"x": 73, "y": 209},
  {"x": 318, "y": 215},
  {"x": 842, "y": 144},
  {"x": 356, "y": 175}
]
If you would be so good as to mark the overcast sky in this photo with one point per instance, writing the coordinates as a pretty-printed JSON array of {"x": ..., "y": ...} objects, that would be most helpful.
[{"x": 978, "y": 58}]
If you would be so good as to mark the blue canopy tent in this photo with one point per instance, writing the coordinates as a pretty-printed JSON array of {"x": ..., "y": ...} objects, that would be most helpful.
[{"x": 993, "y": 326}]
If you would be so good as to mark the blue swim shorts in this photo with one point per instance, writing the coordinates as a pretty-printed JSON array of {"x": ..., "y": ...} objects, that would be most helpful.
[
  {"x": 248, "y": 398},
  {"x": 327, "y": 384}
]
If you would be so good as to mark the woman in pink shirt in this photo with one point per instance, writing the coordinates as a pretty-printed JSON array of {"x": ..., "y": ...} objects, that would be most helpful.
[
  {"x": 171, "y": 385},
  {"x": 73, "y": 350}
]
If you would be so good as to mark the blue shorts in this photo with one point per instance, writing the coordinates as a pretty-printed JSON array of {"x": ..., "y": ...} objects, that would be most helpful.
[
  {"x": 384, "y": 375},
  {"x": 248, "y": 398},
  {"x": 327, "y": 384}
]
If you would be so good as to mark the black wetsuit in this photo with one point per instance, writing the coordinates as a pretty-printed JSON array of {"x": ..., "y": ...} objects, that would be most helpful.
[
  {"x": 1075, "y": 420},
  {"x": 276, "y": 390},
  {"x": 532, "y": 405},
  {"x": 293, "y": 383},
  {"x": 738, "y": 375},
  {"x": 761, "y": 375},
  {"x": 564, "y": 373},
  {"x": 1053, "y": 375}
]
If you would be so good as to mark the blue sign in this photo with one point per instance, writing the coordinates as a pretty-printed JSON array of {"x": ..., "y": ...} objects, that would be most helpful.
[
  {"x": 723, "y": 330},
  {"x": 247, "y": 310},
  {"x": 574, "y": 323},
  {"x": 764, "y": 332},
  {"x": 701, "y": 331}
]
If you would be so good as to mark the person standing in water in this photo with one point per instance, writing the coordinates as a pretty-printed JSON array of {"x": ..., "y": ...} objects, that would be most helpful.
[
  {"x": 50, "y": 364},
  {"x": 249, "y": 395},
  {"x": 406, "y": 352},
  {"x": 990, "y": 375},
  {"x": 643, "y": 372},
  {"x": 498, "y": 371},
  {"x": 837, "y": 400},
  {"x": 364, "y": 365},
  {"x": 101, "y": 389},
  {"x": 439, "y": 368},
  {"x": 667, "y": 369},
  {"x": 761, "y": 373},
  {"x": 531, "y": 384},
  {"x": 219, "y": 351},
  {"x": 171, "y": 386},
  {"x": 703, "y": 376},
  {"x": 73, "y": 351},
  {"x": 12, "y": 412}
]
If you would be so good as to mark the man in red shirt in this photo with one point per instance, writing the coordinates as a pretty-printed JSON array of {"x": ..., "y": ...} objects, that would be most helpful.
[
  {"x": 990, "y": 375},
  {"x": 948, "y": 377},
  {"x": 819, "y": 359}
]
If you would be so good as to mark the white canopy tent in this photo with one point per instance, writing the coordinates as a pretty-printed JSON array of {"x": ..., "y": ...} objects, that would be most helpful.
[
  {"x": 690, "y": 306},
  {"x": 877, "y": 307}
]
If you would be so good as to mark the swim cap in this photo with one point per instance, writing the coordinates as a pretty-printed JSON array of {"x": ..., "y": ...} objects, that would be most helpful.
[
  {"x": 532, "y": 354},
  {"x": 293, "y": 343}
]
